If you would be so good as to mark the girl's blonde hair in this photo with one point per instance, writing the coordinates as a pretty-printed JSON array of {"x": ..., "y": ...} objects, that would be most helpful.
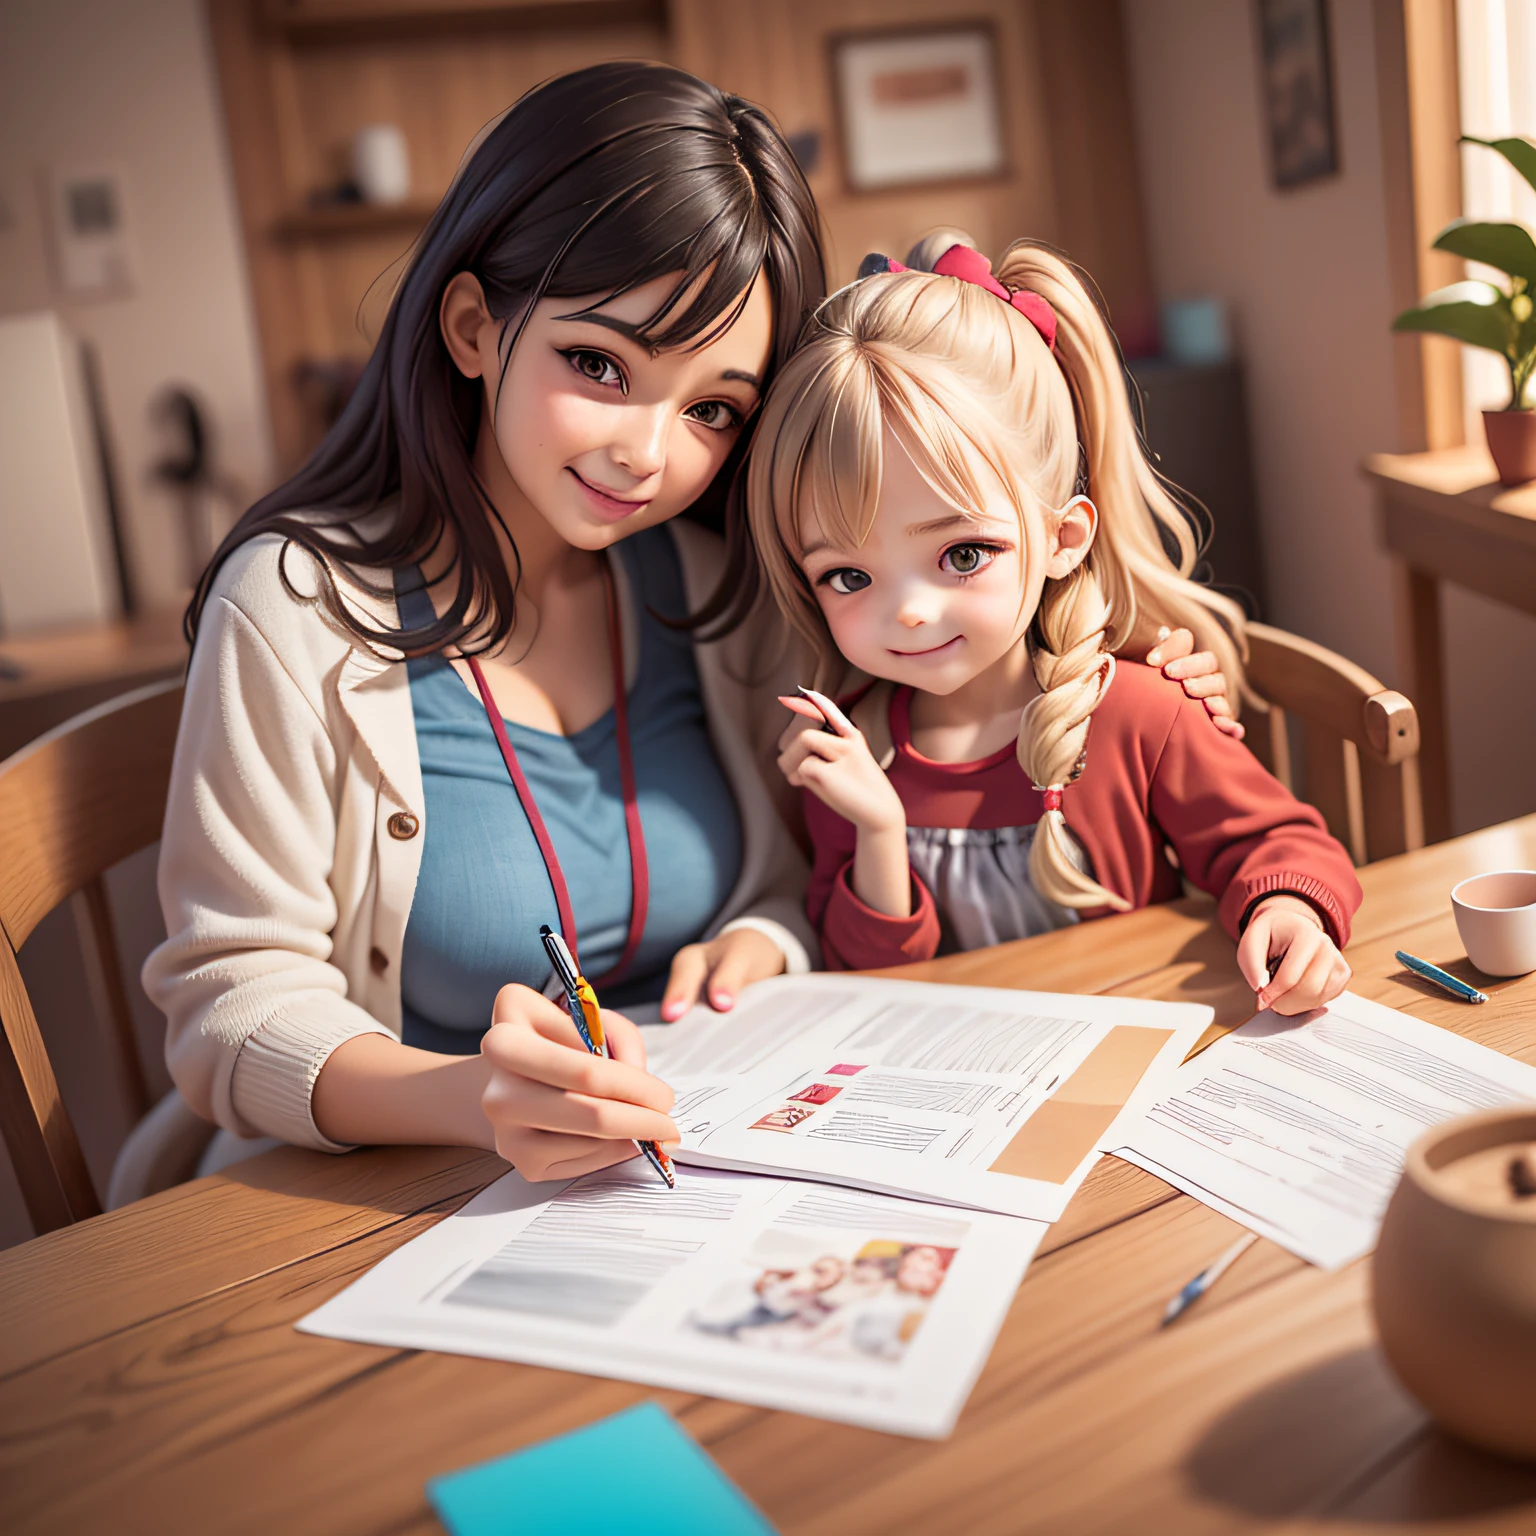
[{"x": 973, "y": 393}]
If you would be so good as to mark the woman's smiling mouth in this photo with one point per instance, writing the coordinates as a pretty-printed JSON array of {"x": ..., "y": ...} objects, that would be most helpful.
[{"x": 608, "y": 506}]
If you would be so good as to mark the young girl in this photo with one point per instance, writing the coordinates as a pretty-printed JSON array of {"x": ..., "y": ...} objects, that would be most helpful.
[{"x": 948, "y": 493}]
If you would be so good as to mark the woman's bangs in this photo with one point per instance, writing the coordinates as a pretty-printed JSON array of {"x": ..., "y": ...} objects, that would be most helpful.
[{"x": 713, "y": 232}]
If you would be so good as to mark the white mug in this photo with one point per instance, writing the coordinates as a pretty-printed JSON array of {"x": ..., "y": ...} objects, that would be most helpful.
[
  {"x": 381, "y": 164},
  {"x": 1496, "y": 917}
]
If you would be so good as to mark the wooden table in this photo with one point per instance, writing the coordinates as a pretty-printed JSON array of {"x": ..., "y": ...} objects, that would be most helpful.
[
  {"x": 1445, "y": 517},
  {"x": 153, "y": 1381}
]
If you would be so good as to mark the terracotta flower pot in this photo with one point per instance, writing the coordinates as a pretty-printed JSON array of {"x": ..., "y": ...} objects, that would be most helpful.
[
  {"x": 1455, "y": 1280},
  {"x": 1512, "y": 442}
]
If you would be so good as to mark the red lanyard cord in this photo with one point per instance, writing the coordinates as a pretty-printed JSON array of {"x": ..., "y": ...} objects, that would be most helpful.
[{"x": 639, "y": 869}]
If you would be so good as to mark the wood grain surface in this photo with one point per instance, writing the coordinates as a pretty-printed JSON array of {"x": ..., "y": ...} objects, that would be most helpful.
[{"x": 151, "y": 1379}]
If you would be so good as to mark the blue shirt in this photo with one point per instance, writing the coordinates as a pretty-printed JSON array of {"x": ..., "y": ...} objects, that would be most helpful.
[{"x": 483, "y": 890}]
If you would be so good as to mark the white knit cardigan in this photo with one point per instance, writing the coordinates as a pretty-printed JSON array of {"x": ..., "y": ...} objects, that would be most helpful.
[{"x": 294, "y": 829}]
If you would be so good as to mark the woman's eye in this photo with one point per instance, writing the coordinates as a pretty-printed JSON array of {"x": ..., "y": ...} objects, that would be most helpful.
[
  {"x": 967, "y": 559},
  {"x": 715, "y": 414},
  {"x": 595, "y": 367},
  {"x": 847, "y": 579}
]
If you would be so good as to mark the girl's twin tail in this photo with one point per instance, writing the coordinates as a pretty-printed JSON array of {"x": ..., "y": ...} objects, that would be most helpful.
[{"x": 1125, "y": 589}]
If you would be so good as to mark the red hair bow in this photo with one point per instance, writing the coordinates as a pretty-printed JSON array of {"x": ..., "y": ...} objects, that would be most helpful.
[{"x": 970, "y": 266}]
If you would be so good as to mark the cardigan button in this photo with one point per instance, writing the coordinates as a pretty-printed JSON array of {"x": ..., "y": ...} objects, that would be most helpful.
[
  {"x": 403, "y": 826},
  {"x": 378, "y": 961}
]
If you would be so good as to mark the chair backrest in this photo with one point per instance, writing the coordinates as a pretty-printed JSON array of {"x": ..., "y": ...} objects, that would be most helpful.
[
  {"x": 1361, "y": 741},
  {"x": 72, "y": 804}
]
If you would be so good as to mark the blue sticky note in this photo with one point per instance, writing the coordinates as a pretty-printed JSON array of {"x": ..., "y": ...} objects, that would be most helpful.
[{"x": 636, "y": 1474}]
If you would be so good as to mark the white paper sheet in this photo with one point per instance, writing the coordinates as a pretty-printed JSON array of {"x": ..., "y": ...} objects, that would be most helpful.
[
  {"x": 1299, "y": 1130},
  {"x": 830, "y": 1302},
  {"x": 975, "y": 1096}
]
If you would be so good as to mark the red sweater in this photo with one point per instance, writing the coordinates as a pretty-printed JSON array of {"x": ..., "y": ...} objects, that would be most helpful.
[{"x": 1158, "y": 774}]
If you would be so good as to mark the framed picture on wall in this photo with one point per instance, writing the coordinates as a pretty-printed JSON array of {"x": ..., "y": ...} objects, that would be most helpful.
[
  {"x": 918, "y": 105},
  {"x": 1298, "y": 90}
]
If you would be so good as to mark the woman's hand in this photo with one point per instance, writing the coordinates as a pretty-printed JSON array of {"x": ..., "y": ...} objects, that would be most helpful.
[
  {"x": 1288, "y": 959},
  {"x": 719, "y": 970},
  {"x": 1200, "y": 673},
  {"x": 556, "y": 1109}
]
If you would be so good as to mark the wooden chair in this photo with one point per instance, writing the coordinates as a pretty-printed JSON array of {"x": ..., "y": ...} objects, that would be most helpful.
[
  {"x": 1361, "y": 741},
  {"x": 72, "y": 804}
]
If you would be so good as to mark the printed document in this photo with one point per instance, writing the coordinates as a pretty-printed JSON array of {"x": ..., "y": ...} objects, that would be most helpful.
[
  {"x": 1299, "y": 1130},
  {"x": 975, "y": 1096},
  {"x": 831, "y": 1302}
]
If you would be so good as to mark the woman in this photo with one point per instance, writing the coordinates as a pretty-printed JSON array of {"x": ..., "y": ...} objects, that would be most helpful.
[{"x": 351, "y": 888}]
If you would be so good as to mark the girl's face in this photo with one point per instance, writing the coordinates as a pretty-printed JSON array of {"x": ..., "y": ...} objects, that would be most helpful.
[
  {"x": 602, "y": 437},
  {"x": 933, "y": 598}
]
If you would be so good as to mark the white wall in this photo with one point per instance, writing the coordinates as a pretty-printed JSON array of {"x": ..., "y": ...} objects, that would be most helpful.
[
  {"x": 1305, "y": 273},
  {"x": 130, "y": 85}
]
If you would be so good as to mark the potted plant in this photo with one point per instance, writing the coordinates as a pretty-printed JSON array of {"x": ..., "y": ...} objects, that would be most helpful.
[{"x": 1482, "y": 314}]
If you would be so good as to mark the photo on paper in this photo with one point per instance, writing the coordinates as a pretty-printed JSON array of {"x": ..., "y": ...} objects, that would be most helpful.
[
  {"x": 818, "y": 1093},
  {"x": 843, "y": 1069},
  {"x": 828, "y": 1295},
  {"x": 784, "y": 1119}
]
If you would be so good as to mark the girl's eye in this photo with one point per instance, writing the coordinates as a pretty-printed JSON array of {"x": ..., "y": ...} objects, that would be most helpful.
[
  {"x": 717, "y": 415},
  {"x": 847, "y": 579},
  {"x": 595, "y": 367},
  {"x": 967, "y": 559}
]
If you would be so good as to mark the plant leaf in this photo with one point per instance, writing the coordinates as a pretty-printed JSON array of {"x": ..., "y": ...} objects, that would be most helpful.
[
  {"x": 1520, "y": 153},
  {"x": 1508, "y": 247},
  {"x": 1470, "y": 312}
]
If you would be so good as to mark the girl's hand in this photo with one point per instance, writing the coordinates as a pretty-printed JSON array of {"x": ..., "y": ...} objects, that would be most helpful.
[
  {"x": 837, "y": 766},
  {"x": 1200, "y": 673},
  {"x": 840, "y": 770},
  {"x": 1288, "y": 959},
  {"x": 719, "y": 969},
  {"x": 556, "y": 1109}
]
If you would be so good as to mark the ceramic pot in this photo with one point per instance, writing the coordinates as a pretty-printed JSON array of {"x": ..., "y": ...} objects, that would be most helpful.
[
  {"x": 1512, "y": 442},
  {"x": 1454, "y": 1281}
]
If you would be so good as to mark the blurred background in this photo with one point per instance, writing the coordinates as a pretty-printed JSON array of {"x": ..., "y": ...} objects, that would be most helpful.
[{"x": 203, "y": 204}]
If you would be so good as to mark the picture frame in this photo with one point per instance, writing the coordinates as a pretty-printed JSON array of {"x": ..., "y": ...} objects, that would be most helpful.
[
  {"x": 919, "y": 106},
  {"x": 1296, "y": 77}
]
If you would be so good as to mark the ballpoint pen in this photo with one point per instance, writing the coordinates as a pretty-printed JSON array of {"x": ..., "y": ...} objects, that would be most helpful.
[
  {"x": 1207, "y": 1277},
  {"x": 1452, "y": 984},
  {"x": 588, "y": 1019}
]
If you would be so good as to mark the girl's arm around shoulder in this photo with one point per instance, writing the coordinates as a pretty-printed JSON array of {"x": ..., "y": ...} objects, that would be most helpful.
[{"x": 1238, "y": 832}]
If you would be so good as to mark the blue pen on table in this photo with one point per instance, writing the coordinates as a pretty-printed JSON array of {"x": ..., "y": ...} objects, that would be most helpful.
[
  {"x": 1452, "y": 984},
  {"x": 1207, "y": 1277},
  {"x": 581, "y": 1001}
]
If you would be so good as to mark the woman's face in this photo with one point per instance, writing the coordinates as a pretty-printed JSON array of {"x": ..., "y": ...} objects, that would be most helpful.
[{"x": 601, "y": 436}]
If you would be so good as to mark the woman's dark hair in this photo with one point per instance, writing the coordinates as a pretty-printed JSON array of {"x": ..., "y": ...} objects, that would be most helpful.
[{"x": 598, "y": 181}]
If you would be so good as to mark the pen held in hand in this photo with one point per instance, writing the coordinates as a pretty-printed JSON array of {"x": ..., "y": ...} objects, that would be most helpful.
[
  {"x": 1207, "y": 1277},
  {"x": 581, "y": 1002},
  {"x": 1452, "y": 984}
]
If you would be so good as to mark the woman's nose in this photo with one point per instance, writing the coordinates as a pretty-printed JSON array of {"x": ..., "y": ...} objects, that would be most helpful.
[{"x": 642, "y": 448}]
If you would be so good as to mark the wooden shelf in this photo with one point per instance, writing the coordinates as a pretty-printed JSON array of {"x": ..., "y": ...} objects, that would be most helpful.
[
  {"x": 340, "y": 221},
  {"x": 337, "y": 20}
]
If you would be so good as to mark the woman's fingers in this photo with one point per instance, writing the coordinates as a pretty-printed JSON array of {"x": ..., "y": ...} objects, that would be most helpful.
[
  {"x": 518, "y": 1100},
  {"x": 624, "y": 1039},
  {"x": 1170, "y": 646},
  {"x": 542, "y": 1155},
  {"x": 741, "y": 956},
  {"x": 1205, "y": 686},
  {"x": 1227, "y": 725},
  {"x": 527, "y": 1053},
  {"x": 690, "y": 965},
  {"x": 1200, "y": 664}
]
